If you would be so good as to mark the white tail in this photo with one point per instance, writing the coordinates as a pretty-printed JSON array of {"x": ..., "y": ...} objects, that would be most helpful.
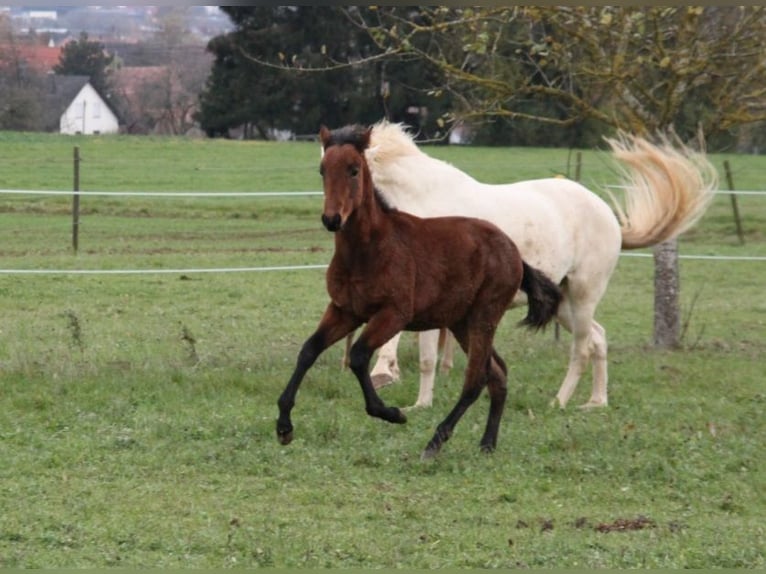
[{"x": 669, "y": 188}]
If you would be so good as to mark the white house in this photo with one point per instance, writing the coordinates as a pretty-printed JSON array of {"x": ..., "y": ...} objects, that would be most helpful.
[
  {"x": 75, "y": 107},
  {"x": 88, "y": 114}
]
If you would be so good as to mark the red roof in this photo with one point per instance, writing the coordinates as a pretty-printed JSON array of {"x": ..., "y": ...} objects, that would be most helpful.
[{"x": 37, "y": 56}]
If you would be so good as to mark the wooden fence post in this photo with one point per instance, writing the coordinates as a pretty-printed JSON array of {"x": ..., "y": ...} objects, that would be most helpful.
[
  {"x": 734, "y": 203},
  {"x": 76, "y": 201}
]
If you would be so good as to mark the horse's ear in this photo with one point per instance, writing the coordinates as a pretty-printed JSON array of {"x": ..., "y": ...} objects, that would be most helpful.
[
  {"x": 324, "y": 136},
  {"x": 365, "y": 143}
]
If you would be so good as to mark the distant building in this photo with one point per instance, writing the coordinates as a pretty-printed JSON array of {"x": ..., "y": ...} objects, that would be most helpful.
[
  {"x": 42, "y": 15},
  {"x": 38, "y": 57},
  {"x": 73, "y": 106}
]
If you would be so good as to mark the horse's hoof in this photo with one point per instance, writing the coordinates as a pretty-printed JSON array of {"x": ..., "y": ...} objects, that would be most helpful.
[
  {"x": 415, "y": 407},
  {"x": 399, "y": 417},
  {"x": 381, "y": 380},
  {"x": 555, "y": 403},
  {"x": 429, "y": 453},
  {"x": 423, "y": 405},
  {"x": 591, "y": 404},
  {"x": 487, "y": 448},
  {"x": 285, "y": 436}
]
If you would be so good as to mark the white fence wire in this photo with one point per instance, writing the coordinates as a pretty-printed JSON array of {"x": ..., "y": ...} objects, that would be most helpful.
[
  {"x": 257, "y": 194},
  {"x": 224, "y": 194}
]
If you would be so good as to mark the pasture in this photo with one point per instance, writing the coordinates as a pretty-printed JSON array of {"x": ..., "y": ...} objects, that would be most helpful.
[{"x": 137, "y": 410}]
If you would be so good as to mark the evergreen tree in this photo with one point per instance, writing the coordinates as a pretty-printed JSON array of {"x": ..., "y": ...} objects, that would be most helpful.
[
  {"x": 86, "y": 58},
  {"x": 260, "y": 76}
]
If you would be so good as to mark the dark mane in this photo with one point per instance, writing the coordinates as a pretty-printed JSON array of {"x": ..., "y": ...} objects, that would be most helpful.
[{"x": 353, "y": 134}]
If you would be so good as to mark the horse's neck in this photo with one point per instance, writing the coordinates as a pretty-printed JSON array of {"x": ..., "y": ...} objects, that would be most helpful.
[{"x": 419, "y": 180}]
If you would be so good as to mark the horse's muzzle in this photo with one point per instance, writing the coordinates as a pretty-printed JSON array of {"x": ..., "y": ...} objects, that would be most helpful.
[{"x": 331, "y": 222}]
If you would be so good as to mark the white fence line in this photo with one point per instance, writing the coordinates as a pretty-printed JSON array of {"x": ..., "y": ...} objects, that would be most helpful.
[
  {"x": 163, "y": 193},
  {"x": 262, "y": 269},
  {"x": 289, "y": 267},
  {"x": 718, "y": 192},
  {"x": 158, "y": 271},
  {"x": 244, "y": 193},
  {"x": 705, "y": 257}
]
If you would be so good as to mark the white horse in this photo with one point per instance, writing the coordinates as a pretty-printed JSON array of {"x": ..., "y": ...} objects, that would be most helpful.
[{"x": 560, "y": 227}]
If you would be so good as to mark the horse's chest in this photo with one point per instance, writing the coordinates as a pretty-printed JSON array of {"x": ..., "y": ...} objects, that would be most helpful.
[{"x": 363, "y": 291}]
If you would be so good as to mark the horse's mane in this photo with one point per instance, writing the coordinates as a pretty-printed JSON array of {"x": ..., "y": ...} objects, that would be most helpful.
[
  {"x": 388, "y": 142},
  {"x": 401, "y": 169}
]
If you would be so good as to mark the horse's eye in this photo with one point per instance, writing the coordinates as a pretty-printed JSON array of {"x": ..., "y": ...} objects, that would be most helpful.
[{"x": 353, "y": 171}]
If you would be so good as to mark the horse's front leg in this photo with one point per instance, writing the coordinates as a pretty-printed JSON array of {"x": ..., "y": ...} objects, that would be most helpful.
[
  {"x": 379, "y": 329},
  {"x": 333, "y": 326}
]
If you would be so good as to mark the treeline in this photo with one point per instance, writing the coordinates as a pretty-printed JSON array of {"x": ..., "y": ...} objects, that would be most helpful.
[
  {"x": 500, "y": 75},
  {"x": 311, "y": 78},
  {"x": 514, "y": 75},
  {"x": 288, "y": 69}
]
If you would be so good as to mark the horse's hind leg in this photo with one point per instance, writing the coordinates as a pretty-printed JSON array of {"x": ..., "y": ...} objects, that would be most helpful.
[
  {"x": 497, "y": 387},
  {"x": 386, "y": 369},
  {"x": 448, "y": 350},
  {"x": 589, "y": 343},
  {"x": 344, "y": 363},
  {"x": 429, "y": 344},
  {"x": 598, "y": 396},
  {"x": 479, "y": 352}
]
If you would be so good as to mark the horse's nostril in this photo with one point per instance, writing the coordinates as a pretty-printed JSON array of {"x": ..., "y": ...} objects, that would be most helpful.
[{"x": 331, "y": 222}]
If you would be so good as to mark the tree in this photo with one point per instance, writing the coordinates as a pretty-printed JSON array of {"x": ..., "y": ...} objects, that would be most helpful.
[
  {"x": 21, "y": 88},
  {"x": 294, "y": 67},
  {"x": 86, "y": 58},
  {"x": 638, "y": 69},
  {"x": 239, "y": 91},
  {"x": 643, "y": 70}
]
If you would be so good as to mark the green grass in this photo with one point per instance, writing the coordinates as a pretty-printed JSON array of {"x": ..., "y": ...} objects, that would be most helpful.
[{"x": 137, "y": 411}]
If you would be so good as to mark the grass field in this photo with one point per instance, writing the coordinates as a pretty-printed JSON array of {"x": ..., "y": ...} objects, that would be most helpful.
[{"x": 137, "y": 411}]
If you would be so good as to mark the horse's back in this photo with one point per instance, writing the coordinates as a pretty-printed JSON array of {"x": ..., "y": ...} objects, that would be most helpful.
[
  {"x": 555, "y": 222},
  {"x": 462, "y": 264}
]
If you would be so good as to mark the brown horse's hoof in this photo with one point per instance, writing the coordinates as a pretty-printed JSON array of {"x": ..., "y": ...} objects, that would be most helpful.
[
  {"x": 391, "y": 415},
  {"x": 285, "y": 436},
  {"x": 429, "y": 453}
]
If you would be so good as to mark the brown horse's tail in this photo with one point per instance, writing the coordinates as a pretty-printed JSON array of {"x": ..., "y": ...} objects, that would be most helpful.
[
  {"x": 543, "y": 298},
  {"x": 667, "y": 189}
]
